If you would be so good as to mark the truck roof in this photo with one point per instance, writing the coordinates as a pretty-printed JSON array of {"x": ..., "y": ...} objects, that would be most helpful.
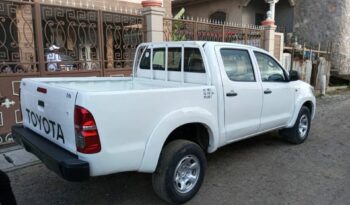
[{"x": 202, "y": 43}]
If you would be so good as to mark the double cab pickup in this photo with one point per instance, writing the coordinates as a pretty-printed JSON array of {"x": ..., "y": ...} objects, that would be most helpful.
[{"x": 182, "y": 101}]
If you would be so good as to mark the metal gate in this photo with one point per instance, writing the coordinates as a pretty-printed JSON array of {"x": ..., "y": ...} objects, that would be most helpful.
[
  {"x": 43, "y": 40},
  {"x": 207, "y": 30}
]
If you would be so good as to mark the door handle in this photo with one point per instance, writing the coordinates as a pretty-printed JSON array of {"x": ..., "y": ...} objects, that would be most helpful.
[
  {"x": 267, "y": 91},
  {"x": 231, "y": 94}
]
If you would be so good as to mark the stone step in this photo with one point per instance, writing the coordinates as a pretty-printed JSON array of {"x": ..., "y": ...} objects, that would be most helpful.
[{"x": 12, "y": 159}]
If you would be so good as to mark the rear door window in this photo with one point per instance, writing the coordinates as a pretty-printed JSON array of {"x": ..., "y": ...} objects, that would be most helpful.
[
  {"x": 146, "y": 60},
  {"x": 159, "y": 59},
  {"x": 174, "y": 59},
  {"x": 238, "y": 65},
  {"x": 193, "y": 61}
]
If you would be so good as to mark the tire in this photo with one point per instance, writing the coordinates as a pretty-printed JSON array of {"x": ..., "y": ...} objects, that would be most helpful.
[
  {"x": 172, "y": 169},
  {"x": 300, "y": 131}
]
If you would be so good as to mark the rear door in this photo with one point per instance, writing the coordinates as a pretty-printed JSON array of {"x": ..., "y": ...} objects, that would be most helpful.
[
  {"x": 278, "y": 101},
  {"x": 49, "y": 111},
  {"x": 242, "y": 92}
]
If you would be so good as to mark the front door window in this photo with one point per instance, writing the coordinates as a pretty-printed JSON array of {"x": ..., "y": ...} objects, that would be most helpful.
[{"x": 270, "y": 70}]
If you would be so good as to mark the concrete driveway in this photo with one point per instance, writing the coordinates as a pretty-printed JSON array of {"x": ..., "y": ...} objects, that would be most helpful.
[{"x": 262, "y": 170}]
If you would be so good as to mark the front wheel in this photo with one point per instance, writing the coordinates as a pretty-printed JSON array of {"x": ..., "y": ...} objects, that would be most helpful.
[
  {"x": 300, "y": 131},
  {"x": 180, "y": 171}
]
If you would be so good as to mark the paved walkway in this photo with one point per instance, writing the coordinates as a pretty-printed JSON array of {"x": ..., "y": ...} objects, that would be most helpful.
[{"x": 12, "y": 158}]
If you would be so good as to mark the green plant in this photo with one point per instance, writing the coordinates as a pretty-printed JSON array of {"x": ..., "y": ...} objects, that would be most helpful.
[{"x": 177, "y": 26}]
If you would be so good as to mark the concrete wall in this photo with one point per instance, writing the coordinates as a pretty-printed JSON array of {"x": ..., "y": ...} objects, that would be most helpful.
[
  {"x": 236, "y": 12},
  {"x": 111, "y": 5},
  {"x": 166, "y": 4},
  {"x": 254, "y": 7},
  {"x": 232, "y": 8},
  {"x": 324, "y": 22},
  {"x": 119, "y": 4},
  {"x": 285, "y": 15},
  {"x": 137, "y": 4},
  {"x": 100, "y": 4}
]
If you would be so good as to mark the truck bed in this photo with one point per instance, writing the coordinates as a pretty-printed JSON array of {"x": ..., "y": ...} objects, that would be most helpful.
[
  {"x": 117, "y": 106},
  {"x": 94, "y": 84}
]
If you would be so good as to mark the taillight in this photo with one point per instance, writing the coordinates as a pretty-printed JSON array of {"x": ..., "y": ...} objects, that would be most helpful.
[{"x": 86, "y": 134}]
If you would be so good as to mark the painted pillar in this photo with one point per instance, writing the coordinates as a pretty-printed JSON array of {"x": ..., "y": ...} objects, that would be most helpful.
[
  {"x": 270, "y": 28},
  {"x": 153, "y": 13},
  {"x": 272, "y": 8},
  {"x": 269, "y": 38}
]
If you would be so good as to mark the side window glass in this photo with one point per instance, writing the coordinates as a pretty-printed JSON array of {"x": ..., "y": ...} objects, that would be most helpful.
[
  {"x": 159, "y": 59},
  {"x": 270, "y": 70},
  {"x": 193, "y": 61},
  {"x": 146, "y": 60},
  {"x": 238, "y": 65},
  {"x": 174, "y": 59}
]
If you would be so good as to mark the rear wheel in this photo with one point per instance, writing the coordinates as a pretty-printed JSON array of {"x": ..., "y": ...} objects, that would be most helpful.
[
  {"x": 180, "y": 171},
  {"x": 300, "y": 131}
]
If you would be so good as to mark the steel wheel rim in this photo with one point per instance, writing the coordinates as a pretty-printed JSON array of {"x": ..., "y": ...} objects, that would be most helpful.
[
  {"x": 186, "y": 174},
  {"x": 303, "y": 126}
]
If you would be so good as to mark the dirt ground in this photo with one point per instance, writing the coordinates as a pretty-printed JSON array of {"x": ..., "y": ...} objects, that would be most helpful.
[{"x": 262, "y": 170}]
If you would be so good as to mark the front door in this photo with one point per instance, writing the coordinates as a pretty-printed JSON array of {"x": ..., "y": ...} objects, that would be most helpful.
[
  {"x": 242, "y": 93},
  {"x": 278, "y": 100}
]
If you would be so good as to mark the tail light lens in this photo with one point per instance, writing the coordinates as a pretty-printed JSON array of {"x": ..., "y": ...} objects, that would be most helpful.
[{"x": 86, "y": 133}]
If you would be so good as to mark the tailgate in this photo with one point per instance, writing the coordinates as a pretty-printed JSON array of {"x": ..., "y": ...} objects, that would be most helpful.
[{"x": 48, "y": 110}]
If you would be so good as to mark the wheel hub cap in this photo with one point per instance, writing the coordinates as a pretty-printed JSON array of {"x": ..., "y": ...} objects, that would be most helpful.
[
  {"x": 186, "y": 174},
  {"x": 303, "y": 126}
]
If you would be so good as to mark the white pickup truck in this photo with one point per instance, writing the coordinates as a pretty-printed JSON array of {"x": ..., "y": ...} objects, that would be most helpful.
[{"x": 184, "y": 99}]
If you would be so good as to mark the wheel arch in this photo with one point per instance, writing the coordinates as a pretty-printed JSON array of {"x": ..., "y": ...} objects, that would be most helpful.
[
  {"x": 163, "y": 133},
  {"x": 310, "y": 106},
  {"x": 310, "y": 103}
]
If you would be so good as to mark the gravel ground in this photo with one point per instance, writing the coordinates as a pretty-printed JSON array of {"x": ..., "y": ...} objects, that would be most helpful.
[{"x": 261, "y": 170}]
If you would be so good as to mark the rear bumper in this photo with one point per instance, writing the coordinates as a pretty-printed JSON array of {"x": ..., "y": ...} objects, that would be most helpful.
[{"x": 62, "y": 162}]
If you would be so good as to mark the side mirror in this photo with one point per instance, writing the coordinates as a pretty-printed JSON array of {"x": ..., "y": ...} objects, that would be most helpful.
[{"x": 294, "y": 75}]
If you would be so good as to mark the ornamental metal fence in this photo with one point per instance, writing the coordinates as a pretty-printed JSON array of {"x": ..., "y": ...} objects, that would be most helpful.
[
  {"x": 41, "y": 39},
  {"x": 204, "y": 29}
]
